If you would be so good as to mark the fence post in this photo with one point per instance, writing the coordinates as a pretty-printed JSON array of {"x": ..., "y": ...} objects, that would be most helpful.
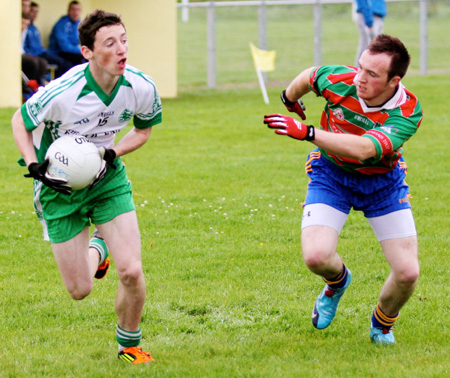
[
  {"x": 317, "y": 33},
  {"x": 262, "y": 29},
  {"x": 211, "y": 42},
  {"x": 185, "y": 11},
  {"x": 423, "y": 37}
]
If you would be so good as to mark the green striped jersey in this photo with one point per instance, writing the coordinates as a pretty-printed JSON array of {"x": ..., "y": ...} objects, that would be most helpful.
[
  {"x": 388, "y": 126},
  {"x": 75, "y": 104}
]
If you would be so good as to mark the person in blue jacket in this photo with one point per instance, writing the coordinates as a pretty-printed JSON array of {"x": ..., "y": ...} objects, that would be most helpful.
[
  {"x": 369, "y": 19},
  {"x": 64, "y": 36},
  {"x": 33, "y": 44}
]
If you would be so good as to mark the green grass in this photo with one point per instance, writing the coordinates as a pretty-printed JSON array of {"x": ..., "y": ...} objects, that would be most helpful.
[{"x": 219, "y": 197}]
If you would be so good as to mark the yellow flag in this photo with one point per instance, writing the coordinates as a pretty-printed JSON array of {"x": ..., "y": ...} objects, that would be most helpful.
[{"x": 264, "y": 60}]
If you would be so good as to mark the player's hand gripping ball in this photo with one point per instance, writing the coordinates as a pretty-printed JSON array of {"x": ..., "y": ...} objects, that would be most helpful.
[
  {"x": 108, "y": 156},
  {"x": 38, "y": 171},
  {"x": 75, "y": 159}
]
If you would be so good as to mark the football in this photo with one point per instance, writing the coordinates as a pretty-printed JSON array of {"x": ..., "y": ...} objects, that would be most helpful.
[{"x": 75, "y": 159}]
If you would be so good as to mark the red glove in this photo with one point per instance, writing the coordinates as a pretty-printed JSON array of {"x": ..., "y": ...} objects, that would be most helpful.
[
  {"x": 294, "y": 107},
  {"x": 289, "y": 126}
]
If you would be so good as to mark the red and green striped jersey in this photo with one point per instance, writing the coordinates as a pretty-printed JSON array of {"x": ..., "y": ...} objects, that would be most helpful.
[{"x": 388, "y": 126}]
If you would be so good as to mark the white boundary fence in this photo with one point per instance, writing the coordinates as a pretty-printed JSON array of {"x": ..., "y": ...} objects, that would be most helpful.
[{"x": 262, "y": 26}]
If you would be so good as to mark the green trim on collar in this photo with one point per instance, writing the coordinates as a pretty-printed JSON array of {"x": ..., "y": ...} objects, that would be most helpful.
[{"x": 92, "y": 86}]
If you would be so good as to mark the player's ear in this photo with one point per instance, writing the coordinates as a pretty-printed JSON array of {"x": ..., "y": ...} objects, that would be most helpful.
[
  {"x": 86, "y": 52},
  {"x": 394, "y": 81}
]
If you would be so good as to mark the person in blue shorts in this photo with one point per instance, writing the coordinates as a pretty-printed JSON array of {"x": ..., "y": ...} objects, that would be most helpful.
[{"x": 358, "y": 164}]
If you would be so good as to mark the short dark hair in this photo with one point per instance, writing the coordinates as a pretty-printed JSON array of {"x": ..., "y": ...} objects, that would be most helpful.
[
  {"x": 392, "y": 46},
  {"x": 93, "y": 22},
  {"x": 33, "y": 4},
  {"x": 73, "y": 2}
]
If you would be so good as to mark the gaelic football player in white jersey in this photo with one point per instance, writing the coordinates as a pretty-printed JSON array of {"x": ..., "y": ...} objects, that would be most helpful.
[{"x": 95, "y": 100}]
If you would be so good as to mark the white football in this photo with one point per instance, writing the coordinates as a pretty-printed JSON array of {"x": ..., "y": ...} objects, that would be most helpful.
[{"x": 75, "y": 159}]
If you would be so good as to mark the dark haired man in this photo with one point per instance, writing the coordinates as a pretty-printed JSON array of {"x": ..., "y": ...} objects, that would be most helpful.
[
  {"x": 358, "y": 164},
  {"x": 96, "y": 100},
  {"x": 63, "y": 39}
]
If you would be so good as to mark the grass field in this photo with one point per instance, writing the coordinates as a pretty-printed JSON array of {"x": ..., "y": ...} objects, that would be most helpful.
[
  {"x": 219, "y": 198},
  {"x": 219, "y": 202}
]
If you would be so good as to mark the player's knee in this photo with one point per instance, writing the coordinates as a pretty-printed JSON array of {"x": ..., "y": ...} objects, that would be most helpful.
[
  {"x": 130, "y": 275},
  {"x": 79, "y": 292},
  {"x": 408, "y": 277},
  {"x": 314, "y": 259}
]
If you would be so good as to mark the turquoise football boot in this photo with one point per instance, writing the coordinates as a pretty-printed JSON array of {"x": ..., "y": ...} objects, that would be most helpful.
[
  {"x": 327, "y": 303},
  {"x": 382, "y": 336}
]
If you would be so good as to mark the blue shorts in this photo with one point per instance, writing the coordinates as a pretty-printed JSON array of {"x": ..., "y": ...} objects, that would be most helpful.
[{"x": 374, "y": 195}]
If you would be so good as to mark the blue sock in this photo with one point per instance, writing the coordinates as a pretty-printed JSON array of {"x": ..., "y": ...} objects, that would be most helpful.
[
  {"x": 380, "y": 320},
  {"x": 339, "y": 281}
]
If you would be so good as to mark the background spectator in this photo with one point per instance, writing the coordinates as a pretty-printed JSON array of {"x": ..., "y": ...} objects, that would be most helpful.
[
  {"x": 33, "y": 67},
  {"x": 33, "y": 44},
  {"x": 369, "y": 20},
  {"x": 64, "y": 36},
  {"x": 26, "y": 6}
]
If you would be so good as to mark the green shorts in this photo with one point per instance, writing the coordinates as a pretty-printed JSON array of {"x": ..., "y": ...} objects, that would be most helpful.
[{"x": 66, "y": 216}]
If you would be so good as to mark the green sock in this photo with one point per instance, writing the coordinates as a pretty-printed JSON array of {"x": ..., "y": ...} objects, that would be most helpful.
[{"x": 100, "y": 246}]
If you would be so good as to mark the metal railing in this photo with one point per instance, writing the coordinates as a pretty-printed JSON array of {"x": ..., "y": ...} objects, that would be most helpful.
[{"x": 262, "y": 26}]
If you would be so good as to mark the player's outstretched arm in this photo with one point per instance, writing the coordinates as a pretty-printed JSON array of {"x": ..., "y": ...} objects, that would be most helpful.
[{"x": 346, "y": 145}]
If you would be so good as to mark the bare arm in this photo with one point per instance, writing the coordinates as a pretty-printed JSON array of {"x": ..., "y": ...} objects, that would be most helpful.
[
  {"x": 299, "y": 86},
  {"x": 23, "y": 138},
  {"x": 134, "y": 139},
  {"x": 345, "y": 145}
]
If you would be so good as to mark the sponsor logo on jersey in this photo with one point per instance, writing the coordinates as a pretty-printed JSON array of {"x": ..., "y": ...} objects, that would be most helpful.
[
  {"x": 112, "y": 132},
  {"x": 106, "y": 114},
  {"x": 71, "y": 132},
  {"x": 125, "y": 116},
  {"x": 81, "y": 121},
  {"x": 362, "y": 119}
]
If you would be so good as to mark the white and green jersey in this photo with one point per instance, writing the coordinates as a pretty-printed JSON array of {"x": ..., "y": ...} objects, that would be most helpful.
[{"x": 75, "y": 104}]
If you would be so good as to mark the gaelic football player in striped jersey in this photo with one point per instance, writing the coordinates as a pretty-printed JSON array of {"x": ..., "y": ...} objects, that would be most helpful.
[
  {"x": 358, "y": 164},
  {"x": 95, "y": 100}
]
